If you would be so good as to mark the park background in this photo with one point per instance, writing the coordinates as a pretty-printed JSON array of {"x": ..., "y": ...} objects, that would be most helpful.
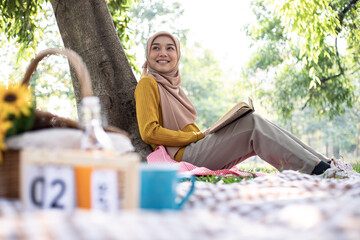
[{"x": 302, "y": 75}]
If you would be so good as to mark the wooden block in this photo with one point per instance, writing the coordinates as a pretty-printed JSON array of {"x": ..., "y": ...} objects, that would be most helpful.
[{"x": 84, "y": 164}]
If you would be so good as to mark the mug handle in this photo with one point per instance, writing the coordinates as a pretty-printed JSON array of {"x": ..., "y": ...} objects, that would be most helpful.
[{"x": 191, "y": 190}]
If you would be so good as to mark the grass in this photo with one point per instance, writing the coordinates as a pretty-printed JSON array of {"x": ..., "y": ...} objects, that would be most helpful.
[
  {"x": 250, "y": 167},
  {"x": 219, "y": 179},
  {"x": 356, "y": 167}
]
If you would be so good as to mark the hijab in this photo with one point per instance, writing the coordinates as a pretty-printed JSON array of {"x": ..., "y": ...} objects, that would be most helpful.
[{"x": 177, "y": 110}]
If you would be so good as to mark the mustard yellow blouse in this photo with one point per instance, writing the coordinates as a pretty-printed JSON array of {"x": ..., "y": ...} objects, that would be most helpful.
[{"x": 149, "y": 117}]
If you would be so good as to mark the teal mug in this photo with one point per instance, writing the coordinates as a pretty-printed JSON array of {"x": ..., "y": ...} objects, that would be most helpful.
[{"x": 158, "y": 187}]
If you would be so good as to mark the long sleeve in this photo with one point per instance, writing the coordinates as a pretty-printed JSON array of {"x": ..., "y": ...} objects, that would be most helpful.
[{"x": 149, "y": 117}]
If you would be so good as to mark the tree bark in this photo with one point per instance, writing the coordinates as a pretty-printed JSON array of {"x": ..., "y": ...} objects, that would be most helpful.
[{"x": 87, "y": 28}]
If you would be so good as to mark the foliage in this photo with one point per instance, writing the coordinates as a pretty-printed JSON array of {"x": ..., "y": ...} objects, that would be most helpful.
[
  {"x": 220, "y": 179},
  {"x": 151, "y": 16},
  {"x": 119, "y": 10},
  {"x": 316, "y": 21},
  {"x": 19, "y": 21},
  {"x": 51, "y": 82},
  {"x": 333, "y": 137},
  {"x": 307, "y": 63},
  {"x": 202, "y": 78},
  {"x": 300, "y": 55},
  {"x": 258, "y": 169},
  {"x": 356, "y": 167},
  {"x": 313, "y": 20}
]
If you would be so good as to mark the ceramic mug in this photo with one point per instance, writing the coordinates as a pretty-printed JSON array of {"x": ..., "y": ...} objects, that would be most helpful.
[{"x": 158, "y": 187}]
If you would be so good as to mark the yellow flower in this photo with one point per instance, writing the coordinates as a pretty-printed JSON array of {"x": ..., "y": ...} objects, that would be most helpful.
[
  {"x": 2, "y": 144},
  {"x": 4, "y": 126},
  {"x": 15, "y": 99}
]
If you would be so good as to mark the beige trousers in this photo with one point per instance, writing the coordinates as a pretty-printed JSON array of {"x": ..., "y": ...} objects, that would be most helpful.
[{"x": 249, "y": 136}]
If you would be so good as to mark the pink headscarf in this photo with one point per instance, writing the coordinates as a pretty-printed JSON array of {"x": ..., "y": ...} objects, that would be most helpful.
[{"x": 177, "y": 110}]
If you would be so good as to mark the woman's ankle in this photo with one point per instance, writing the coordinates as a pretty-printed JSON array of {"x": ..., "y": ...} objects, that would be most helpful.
[{"x": 321, "y": 168}]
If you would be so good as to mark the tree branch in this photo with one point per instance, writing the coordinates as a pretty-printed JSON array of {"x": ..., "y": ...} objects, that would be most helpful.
[
  {"x": 312, "y": 90},
  {"x": 341, "y": 16},
  {"x": 324, "y": 80},
  {"x": 308, "y": 100},
  {"x": 343, "y": 13},
  {"x": 338, "y": 57},
  {"x": 355, "y": 70}
]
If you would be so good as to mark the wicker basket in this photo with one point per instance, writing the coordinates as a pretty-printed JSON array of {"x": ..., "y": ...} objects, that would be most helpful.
[
  {"x": 9, "y": 169},
  {"x": 9, "y": 174}
]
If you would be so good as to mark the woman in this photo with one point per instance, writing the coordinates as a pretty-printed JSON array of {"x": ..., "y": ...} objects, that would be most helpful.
[{"x": 167, "y": 117}]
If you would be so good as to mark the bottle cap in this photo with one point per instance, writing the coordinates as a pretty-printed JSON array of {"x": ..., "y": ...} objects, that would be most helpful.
[{"x": 90, "y": 101}]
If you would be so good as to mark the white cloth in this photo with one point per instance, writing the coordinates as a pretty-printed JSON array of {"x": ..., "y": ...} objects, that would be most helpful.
[{"x": 62, "y": 138}]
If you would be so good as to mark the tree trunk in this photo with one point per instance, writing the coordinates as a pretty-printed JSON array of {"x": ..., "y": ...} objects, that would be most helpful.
[
  {"x": 336, "y": 151},
  {"x": 326, "y": 149},
  {"x": 87, "y": 28}
]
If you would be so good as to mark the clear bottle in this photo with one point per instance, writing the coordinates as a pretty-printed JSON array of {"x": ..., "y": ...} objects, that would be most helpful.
[{"x": 94, "y": 137}]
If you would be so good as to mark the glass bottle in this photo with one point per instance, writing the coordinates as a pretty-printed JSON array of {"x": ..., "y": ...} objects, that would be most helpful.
[
  {"x": 94, "y": 137},
  {"x": 94, "y": 141}
]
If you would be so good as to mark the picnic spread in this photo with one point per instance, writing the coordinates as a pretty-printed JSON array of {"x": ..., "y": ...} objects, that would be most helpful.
[
  {"x": 282, "y": 205},
  {"x": 286, "y": 205}
]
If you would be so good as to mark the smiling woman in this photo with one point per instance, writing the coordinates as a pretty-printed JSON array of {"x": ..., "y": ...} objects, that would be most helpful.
[
  {"x": 167, "y": 117},
  {"x": 163, "y": 56},
  {"x": 162, "y": 53}
]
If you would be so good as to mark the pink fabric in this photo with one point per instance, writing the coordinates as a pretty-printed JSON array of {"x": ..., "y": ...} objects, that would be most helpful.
[{"x": 161, "y": 156}]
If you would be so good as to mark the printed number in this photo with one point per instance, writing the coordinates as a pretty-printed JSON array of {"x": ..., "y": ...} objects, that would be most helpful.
[
  {"x": 38, "y": 185},
  {"x": 102, "y": 197},
  {"x": 55, "y": 202},
  {"x": 48, "y": 187},
  {"x": 35, "y": 186}
]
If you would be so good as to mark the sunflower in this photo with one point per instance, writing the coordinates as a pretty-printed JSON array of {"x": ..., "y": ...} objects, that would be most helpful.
[
  {"x": 4, "y": 126},
  {"x": 14, "y": 102},
  {"x": 15, "y": 99}
]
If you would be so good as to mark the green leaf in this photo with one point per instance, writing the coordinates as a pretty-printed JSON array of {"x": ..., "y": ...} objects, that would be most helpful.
[{"x": 21, "y": 124}]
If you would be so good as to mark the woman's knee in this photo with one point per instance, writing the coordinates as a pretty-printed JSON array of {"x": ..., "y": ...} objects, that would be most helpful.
[
  {"x": 256, "y": 116},
  {"x": 257, "y": 119},
  {"x": 259, "y": 123},
  {"x": 253, "y": 118}
]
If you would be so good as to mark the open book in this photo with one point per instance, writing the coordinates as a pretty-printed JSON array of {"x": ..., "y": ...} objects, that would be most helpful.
[{"x": 237, "y": 111}]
